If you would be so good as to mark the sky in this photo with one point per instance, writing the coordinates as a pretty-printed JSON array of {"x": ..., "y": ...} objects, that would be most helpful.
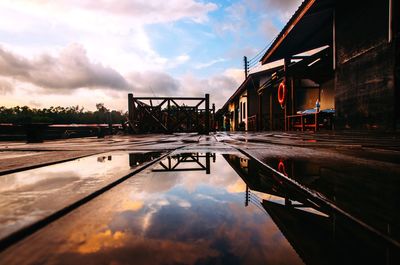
[{"x": 83, "y": 52}]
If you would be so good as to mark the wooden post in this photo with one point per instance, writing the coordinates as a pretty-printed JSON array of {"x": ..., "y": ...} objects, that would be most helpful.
[
  {"x": 131, "y": 108},
  {"x": 259, "y": 125},
  {"x": 286, "y": 68},
  {"x": 168, "y": 114},
  {"x": 213, "y": 118},
  {"x": 110, "y": 128},
  {"x": 208, "y": 164},
  {"x": 292, "y": 96},
  {"x": 207, "y": 115},
  {"x": 246, "y": 203},
  {"x": 271, "y": 110}
]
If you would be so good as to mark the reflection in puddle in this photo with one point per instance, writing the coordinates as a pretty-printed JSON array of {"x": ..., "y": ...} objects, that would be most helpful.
[
  {"x": 172, "y": 213},
  {"x": 366, "y": 192},
  {"x": 186, "y": 162},
  {"x": 318, "y": 234},
  {"x": 28, "y": 196},
  {"x": 203, "y": 208}
]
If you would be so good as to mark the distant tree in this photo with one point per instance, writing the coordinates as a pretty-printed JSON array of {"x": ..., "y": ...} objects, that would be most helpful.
[{"x": 60, "y": 115}]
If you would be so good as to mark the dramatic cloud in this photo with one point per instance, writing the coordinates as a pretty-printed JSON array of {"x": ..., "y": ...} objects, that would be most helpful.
[
  {"x": 235, "y": 18},
  {"x": 220, "y": 87},
  {"x": 5, "y": 87},
  {"x": 70, "y": 70},
  {"x": 154, "y": 11},
  {"x": 150, "y": 11},
  {"x": 268, "y": 29},
  {"x": 283, "y": 5},
  {"x": 282, "y": 9},
  {"x": 154, "y": 84},
  {"x": 152, "y": 47}
]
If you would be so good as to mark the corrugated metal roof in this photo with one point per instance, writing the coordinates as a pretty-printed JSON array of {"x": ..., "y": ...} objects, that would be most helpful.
[{"x": 310, "y": 27}]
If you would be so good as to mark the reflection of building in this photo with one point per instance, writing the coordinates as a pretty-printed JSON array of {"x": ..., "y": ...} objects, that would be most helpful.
[
  {"x": 319, "y": 234},
  {"x": 340, "y": 183},
  {"x": 186, "y": 162}
]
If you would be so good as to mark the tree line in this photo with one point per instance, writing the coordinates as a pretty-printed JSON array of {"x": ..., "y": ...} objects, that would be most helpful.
[{"x": 60, "y": 115}]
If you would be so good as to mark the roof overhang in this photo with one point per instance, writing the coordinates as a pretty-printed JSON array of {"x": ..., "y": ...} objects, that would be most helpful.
[
  {"x": 310, "y": 27},
  {"x": 249, "y": 82}
]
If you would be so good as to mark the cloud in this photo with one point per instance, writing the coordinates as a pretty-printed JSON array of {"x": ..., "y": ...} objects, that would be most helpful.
[
  {"x": 283, "y": 5},
  {"x": 71, "y": 69},
  {"x": 154, "y": 11},
  {"x": 5, "y": 87},
  {"x": 147, "y": 12},
  {"x": 220, "y": 87},
  {"x": 283, "y": 9},
  {"x": 235, "y": 18},
  {"x": 152, "y": 83},
  {"x": 208, "y": 64},
  {"x": 268, "y": 29}
]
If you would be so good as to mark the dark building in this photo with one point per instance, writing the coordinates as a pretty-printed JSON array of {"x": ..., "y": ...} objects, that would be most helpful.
[
  {"x": 340, "y": 68},
  {"x": 361, "y": 69},
  {"x": 247, "y": 109}
]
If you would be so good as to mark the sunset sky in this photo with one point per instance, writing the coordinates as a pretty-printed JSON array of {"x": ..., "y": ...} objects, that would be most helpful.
[{"x": 82, "y": 52}]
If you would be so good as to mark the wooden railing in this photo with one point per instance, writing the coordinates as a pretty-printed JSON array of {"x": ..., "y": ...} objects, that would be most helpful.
[{"x": 309, "y": 121}]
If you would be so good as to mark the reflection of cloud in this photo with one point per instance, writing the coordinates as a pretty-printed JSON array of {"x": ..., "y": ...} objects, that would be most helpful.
[
  {"x": 128, "y": 223},
  {"x": 207, "y": 197},
  {"x": 237, "y": 187},
  {"x": 100, "y": 241},
  {"x": 184, "y": 204},
  {"x": 132, "y": 205}
]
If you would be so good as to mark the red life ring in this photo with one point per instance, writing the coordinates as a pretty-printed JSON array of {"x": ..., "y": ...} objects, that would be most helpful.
[
  {"x": 282, "y": 93},
  {"x": 281, "y": 167}
]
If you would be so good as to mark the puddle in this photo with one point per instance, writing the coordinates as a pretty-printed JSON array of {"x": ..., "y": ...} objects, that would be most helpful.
[
  {"x": 28, "y": 196},
  {"x": 367, "y": 192},
  {"x": 202, "y": 208},
  {"x": 14, "y": 154}
]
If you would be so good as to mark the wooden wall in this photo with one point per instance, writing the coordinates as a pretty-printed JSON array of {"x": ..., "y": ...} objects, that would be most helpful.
[{"x": 364, "y": 77}]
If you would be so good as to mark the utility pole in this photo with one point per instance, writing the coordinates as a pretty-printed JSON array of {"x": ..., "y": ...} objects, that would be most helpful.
[{"x": 246, "y": 66}]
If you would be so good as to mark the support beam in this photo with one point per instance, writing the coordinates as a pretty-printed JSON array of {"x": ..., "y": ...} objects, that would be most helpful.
[{"x": 207, "y": 115}]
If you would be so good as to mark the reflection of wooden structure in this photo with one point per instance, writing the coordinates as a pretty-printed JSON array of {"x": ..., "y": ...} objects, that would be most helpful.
[
  {"x": 170, "y": 114},
  {"x": 180, "y": 162},
  {"x": 318, "y": 233},
  {"x": 332, "y": 240}
]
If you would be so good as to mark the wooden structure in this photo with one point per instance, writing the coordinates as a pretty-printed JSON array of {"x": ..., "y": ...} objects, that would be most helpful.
[
  {"x": 356, "y": 67},
  {"x": 333, "y": 53},
  {"x": 170, "y": 114},
  {"x": 246, "y": 109}
]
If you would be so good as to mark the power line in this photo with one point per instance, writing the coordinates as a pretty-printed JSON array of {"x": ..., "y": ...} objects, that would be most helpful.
[{"x": 261, "y": 53}]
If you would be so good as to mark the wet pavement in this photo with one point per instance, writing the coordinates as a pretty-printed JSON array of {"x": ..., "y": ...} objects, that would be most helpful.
[
  {"x": 218, "y": 199},
  {"x": 188, "y": 209},
  {"x": 32, "y": 195}
]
